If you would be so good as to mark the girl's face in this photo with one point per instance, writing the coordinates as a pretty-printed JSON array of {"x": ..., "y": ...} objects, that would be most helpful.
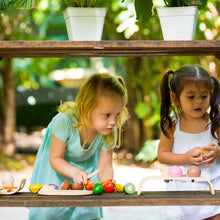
[
  {"x": 194, "y": 100},
  {"x": 105, "y": 116}
]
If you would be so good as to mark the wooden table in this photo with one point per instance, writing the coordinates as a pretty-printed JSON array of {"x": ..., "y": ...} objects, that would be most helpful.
[{"x": 26, "y": 199}]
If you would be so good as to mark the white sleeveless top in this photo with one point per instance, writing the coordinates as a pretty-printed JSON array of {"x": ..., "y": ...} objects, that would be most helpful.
[{"x": 185, "y": 141}]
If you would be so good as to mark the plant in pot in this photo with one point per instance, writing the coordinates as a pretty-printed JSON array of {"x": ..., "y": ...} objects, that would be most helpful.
[
  {"x": 84, "y": 21},
  {"x": 175, "y": 18}
]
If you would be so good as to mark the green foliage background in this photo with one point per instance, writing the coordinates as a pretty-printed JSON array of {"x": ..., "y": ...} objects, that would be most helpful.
[{"x": 142, "y": 74}]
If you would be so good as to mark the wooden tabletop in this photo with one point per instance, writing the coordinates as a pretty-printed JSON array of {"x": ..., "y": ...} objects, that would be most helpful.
[
  {"x": 125, "y": 48},
  {"x": 27, "y": 199}
]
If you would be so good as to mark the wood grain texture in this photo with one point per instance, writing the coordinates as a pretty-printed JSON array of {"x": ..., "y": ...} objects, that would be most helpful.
[
  {"x": 123, "y": 48},
  {"x": 112, "y": 199}
]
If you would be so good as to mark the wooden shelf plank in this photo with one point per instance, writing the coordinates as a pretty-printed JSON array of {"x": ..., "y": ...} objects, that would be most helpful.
[
  {"x": 37, "y": 49},
  {"x": 27, "y": 199}
]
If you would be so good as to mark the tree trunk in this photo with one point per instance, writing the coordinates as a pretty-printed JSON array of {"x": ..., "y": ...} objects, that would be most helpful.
[
  {"x": 8, "y": 108},
  {"x": 134, "y": 135}
]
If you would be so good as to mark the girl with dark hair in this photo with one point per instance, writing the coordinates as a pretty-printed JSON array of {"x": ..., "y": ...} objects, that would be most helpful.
[{"x": 190, "y": 119}]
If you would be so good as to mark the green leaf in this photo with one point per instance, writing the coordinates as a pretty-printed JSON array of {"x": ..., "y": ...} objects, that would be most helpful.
[
  {"x": 26, "y": 4},
  {"x": 148, "y": 152},
  {"x": 4, "y": 4},
  {"x": 142, "y": 110},
  {"x": 143, "y": 9},
  {"x": 187, "y": 2},
  {"x": 202, "y": 5}
]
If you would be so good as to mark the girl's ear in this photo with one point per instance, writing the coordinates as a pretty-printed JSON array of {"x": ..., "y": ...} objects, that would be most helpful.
[{"x": 174, "y": 99}]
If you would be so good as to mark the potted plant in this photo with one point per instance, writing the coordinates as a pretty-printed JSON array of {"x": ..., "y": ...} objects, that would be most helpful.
[
  {"x": 84, "y": 21},
  {"x": 173, "y": 11}
]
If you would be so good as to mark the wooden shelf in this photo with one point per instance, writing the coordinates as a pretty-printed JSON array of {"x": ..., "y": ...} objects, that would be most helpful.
[
  {"x": 27, "y": 199},
  {"x": 37, "y": 49}
]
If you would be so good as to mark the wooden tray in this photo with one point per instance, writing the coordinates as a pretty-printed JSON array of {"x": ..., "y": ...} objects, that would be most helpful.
[
  {"x": 212, "y": 191},
  {"x": 50, "y": 191},
  {"x": 13, "y": 191}
]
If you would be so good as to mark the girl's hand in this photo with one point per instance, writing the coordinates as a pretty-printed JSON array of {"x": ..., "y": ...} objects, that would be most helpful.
[
  {"x": 80, "y": 177},
  {"x": 194, "y": 156},
  {"x": 214, "y": 152}
]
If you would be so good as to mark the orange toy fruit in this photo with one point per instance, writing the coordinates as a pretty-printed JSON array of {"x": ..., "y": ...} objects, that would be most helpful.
[{"x": 89, "y": 185}]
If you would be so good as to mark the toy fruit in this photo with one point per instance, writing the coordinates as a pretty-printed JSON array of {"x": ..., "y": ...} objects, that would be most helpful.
[
  {"x": 202, "y": 151},
  {"x": 98, "y": 189},
  {"x": 129, "y": 188},
  {"x": 89, "y": 185},
  {"x": 65, "y": 185},
  {"x": 119, "y": 187},
  {"x": 107, "y": 181},
  {"x": 76, "y": 186},
  {"x": 109, "y": 187},
  {"x": 7, "y": 179},
  {"x": 175, "y": 171},
  {"x": 194, "y": 171},
  {"x": 198, "y": 151},
  {"x": 35, "y": 187}
]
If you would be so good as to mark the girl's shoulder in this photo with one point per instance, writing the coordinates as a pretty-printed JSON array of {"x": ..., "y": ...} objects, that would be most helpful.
[{"x": 67, "y": 118}]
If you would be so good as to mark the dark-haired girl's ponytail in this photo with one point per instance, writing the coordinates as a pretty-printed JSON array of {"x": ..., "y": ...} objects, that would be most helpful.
[
  {"x": 165, "y": 107},
  {"x": 215, "y": 106}
]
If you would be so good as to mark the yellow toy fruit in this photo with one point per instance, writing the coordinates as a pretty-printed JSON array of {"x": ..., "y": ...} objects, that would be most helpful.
[
  {"x": 119, "y": 187},
  {"x": 35, "y": 187}
]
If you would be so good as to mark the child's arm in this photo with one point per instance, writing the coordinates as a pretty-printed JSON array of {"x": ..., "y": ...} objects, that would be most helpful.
[
  {"x": 166, "y": 156},
  {"x": 105, "y": 165},
  {"x": 214, "y": 151},
  {"x": 57, "y": 162}
]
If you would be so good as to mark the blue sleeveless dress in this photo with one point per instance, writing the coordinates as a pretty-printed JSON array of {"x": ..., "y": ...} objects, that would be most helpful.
[{"x": 86, "y": 159}]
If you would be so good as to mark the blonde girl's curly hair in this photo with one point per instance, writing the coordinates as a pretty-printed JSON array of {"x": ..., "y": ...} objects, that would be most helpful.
[{"x": 97, "y": 85}]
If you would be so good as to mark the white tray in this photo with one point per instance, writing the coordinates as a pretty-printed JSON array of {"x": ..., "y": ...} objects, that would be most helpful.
[
  {"x": 13, "y": 191},
  {"x": 212, "y": 191}
]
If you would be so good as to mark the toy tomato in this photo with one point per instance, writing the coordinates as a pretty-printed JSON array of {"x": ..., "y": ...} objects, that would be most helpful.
[
  {"x": 98, "y": 189},
  {"x": 109, "y": 187},
  {"x": 89, "y": 185},
  {"x": 107, "y": 181}
]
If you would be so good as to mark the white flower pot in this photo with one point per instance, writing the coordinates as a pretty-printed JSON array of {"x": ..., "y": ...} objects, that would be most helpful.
[
  {"x": 84, "y": 24},
  {"x": 178, "y": 23}
]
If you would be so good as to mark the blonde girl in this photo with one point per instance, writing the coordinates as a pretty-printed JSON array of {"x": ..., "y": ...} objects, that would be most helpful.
[
  {"x": 190, "y": 119},
  {"x": 79, "y": 140}
]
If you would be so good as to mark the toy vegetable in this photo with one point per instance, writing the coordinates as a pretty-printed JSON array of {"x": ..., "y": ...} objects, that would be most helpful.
[
  {"x": 98, "y": 189},
  {"x": 65, "y": 185},
  {"x": 89, "y": 185},
  {"x": 109, "y": 187},
  {"x": 35, "y": 187},
  {"x": 129, "y": 188},
  {"x": 119, "y": 187}
]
